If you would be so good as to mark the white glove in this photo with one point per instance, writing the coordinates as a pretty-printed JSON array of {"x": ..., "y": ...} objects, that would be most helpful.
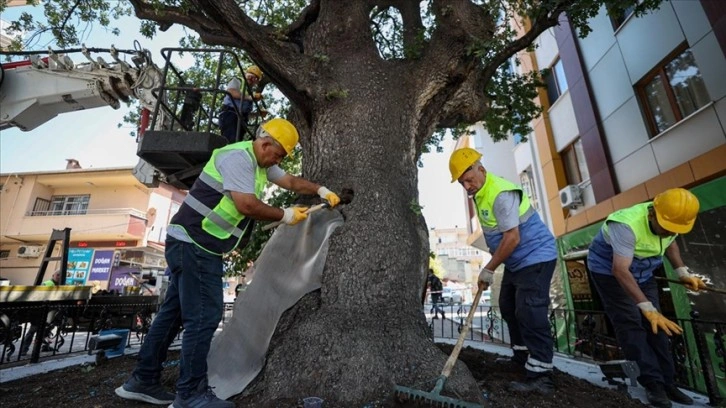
[
  {"x": 293, "y": 215},
  {"x": 326, "y": 194},
  {"x": 485, "y": 278}
]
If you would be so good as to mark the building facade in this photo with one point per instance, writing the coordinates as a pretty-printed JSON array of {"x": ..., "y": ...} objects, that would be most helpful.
[
  {"x": 117, "y": 225},
  {"x": 636, "y": 107}
]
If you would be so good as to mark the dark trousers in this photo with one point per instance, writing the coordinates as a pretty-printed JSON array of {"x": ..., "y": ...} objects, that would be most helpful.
[
  {"x": 435, "y": 301},
  {"x": 194, "y": 299},
  {"x": 650, "y": 351},
  {"x": 524, "y": 300}
]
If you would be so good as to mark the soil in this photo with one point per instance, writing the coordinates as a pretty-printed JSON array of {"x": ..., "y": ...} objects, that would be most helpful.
[{"x": 93, "y": 386}]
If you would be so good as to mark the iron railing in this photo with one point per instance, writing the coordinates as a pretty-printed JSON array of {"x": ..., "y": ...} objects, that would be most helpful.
[{"x": 699, "y": 355}]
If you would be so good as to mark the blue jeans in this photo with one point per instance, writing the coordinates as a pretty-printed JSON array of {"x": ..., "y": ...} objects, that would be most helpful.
[
  {"x": 195, "y": 300},
  {"x": 524, "y": 300},
  {"x": 650, "y": 351}
]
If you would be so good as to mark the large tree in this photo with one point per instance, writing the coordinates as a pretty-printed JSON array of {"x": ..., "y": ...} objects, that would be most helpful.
[{"x": 370, "y": 82}]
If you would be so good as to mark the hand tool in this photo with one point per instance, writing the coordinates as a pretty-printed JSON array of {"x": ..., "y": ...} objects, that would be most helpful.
[
  {"x": 708, "y": 288},
  {"x": 434, "y": 396},
  {"x": 346, "y": 196}
]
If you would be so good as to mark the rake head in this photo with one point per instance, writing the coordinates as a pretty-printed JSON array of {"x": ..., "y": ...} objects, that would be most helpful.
[{"x": 432, "y": 397}]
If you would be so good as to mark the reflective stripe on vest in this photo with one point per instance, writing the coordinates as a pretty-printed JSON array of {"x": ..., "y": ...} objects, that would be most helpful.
[
  {"x": 222, "y": 220},
  {"x": 647, "y": 244},
  {"x": 484, "y": 200}
]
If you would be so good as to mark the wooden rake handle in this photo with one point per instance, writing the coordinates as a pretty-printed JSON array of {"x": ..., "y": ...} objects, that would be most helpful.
[
  {"x": 464, "y": 330},
  {"x": 310, "y": 210}
]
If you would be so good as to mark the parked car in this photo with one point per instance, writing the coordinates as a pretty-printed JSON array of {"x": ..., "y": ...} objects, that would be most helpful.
[{"x": 451, "y": 296}]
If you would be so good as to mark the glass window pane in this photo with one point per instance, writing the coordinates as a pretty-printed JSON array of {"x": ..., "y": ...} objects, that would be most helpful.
[
  {"x": 581, "y": 162},
  {"x": 560, "y": 74},
  {"x": 659, "y": 105},
  {"x": 687, "y": 84},
  {"x": 569, "y": 159},
  {"x": 552, "y": 93}
]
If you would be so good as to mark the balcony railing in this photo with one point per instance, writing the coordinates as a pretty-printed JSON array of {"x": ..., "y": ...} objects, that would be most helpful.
[{"x": 104, "y": 211}]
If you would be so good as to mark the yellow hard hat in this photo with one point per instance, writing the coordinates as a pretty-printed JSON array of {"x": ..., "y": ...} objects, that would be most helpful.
[
  {"x": 460, "y": 161},
  {"x": 676, "y": 210},
  {"x": 255, "y": 70},
  {"x": 283, "y": 131}
]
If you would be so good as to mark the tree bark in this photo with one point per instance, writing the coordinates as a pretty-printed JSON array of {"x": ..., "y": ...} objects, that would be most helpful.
[{"x": 364, "y": 331}]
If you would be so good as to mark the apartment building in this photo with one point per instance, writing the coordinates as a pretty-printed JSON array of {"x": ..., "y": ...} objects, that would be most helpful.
[
  {"x": 117, "y": 225},
  {"x": 636, "y": 107}
]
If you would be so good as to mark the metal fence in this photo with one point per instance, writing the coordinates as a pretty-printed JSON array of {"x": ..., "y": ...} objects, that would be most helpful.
[{"x": 699, "y": 355}]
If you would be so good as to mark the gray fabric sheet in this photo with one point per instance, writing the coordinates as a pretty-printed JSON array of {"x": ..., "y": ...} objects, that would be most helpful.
[{"x": 290, "y": 266}]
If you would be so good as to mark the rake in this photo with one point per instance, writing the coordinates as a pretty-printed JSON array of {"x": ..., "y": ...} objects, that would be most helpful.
[{"x": 434, "y": 396}]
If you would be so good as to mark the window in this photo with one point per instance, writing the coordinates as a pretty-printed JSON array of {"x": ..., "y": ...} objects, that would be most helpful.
[
  {"x": 40, "y": 207},
  {"x": 617, "y": 18},
  {"x": 672, "y": 91},
  {"x": 527, "y": 182},
  {"x": 68, "y": 205},
  {"x": 573, "y": 158},
  {"x": 556, "y": 81}
]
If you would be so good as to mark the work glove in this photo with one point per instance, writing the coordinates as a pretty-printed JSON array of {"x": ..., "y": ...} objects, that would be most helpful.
[
  {"x": 257, "y": 96},
  {"x": 657, "y": 320},
  {"x": 326, "y": 194},
  {"x": 690, "y": 281},
  {"x": 293, "y": 215},
  {"x": 485, "y": 278}
]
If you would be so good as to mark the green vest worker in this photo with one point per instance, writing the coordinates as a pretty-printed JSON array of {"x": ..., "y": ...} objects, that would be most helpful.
[
  {"x": 216, "y": 217},
  {"x": 621, "y": 261},
  {"x": 517, "y": 238}
]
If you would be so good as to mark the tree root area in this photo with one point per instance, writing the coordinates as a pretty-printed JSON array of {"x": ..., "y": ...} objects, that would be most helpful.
[{"x": 93, "y": 386}]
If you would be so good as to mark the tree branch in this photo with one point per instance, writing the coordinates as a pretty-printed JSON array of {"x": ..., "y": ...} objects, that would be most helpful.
[
  {"x": 296, "y": 31},
  {"x": 174, "y": 15}
]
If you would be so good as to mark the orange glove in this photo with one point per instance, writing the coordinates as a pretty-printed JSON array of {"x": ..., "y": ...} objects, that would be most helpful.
[
  {"x": 690, "y": 281},
  {"x": 326, "y": 194},
  {"x": 293, "y": 215},
  {"x": 657, "y": 320}
]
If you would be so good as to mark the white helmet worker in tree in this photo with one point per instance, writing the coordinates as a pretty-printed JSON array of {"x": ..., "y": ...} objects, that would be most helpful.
[
  {"x": 216, "y": 217},
  {"x": 621, "y": 260},
  {"x": 519, "y": 239}
]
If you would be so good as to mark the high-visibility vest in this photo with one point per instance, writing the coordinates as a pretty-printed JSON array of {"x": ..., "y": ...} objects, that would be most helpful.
[
  {"x": 208, "y": 213},
  {"x": 649, "y": 247},
  {"x": 536, "y": 244}
]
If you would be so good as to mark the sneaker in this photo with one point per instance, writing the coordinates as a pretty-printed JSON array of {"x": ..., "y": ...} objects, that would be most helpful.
[
  {"x": 542, "y": 384},
  {"x": 657, "y": 397},
  {"x": 676, "y": 395},
  {"x": 134, "y": 389},
  {"x": 204, "y": 399}
]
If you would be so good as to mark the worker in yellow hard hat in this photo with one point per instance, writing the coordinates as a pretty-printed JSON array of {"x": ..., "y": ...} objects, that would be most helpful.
[
  {"x": 621, "y": 260},
  {"x": 216, "y": 217},
  {"x": 237, "y": 103},
  {"x": 518, "y": 239}
]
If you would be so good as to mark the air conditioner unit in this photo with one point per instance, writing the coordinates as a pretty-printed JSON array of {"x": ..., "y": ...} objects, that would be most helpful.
[
  {"x": 29, "y": 251},
  {"x": 571, "y": 196}
]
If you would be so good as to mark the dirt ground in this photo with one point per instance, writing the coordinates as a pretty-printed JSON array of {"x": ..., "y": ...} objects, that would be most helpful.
[{"x": 93, "y": 386}]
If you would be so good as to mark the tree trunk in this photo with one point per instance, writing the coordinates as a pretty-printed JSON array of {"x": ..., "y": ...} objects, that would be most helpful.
[{"x": 365, "y": 330}]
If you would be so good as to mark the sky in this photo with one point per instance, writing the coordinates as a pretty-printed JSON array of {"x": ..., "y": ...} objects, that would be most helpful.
[{"x": 94, "y": 139}]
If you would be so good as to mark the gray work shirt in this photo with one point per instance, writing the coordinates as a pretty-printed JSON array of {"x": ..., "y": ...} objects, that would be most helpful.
[
  {"x": 621, "y": 237},
  {"x": 238, "y": 174},
  {"x": 506, "y": 210}
]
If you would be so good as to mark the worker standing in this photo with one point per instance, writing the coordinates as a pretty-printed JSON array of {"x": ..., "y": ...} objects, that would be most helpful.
[
  {"x": 621, "y": 260},
  {"x": 238, "y": 101},
  {"x": 216, "y": 217},
  {"x": 519, "y": 239}
]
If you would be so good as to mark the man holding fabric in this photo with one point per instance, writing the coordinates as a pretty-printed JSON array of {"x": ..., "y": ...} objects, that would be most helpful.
[
  {"x": 621, "y": 260},
  {"x": 216, "y": 217},
  {"x": 517, "y": 238}
]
